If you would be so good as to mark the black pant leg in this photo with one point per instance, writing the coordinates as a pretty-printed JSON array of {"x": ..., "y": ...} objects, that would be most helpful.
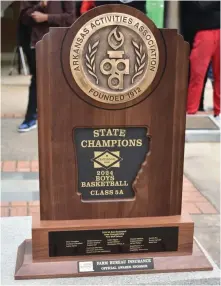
[
  {"x": 32, "y": 101},
  {"x": 28, "y": 53},
  {"x": 201, "y": 106}
]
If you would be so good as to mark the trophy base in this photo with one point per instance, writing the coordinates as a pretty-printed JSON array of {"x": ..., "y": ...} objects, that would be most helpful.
[
  {"x": 108, "y": 247},
  {"x": 26, "y": 268}
]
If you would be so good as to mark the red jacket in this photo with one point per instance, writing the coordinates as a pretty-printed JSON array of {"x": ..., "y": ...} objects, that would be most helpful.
[{"x": 86, "y": 6}]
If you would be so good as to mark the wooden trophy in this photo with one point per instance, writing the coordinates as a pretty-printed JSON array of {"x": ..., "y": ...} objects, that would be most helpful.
[{"x": 112, "y": 100}]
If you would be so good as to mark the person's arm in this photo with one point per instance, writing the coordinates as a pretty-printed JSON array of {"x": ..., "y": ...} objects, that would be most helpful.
[
  {"x": 64, "y": 19},
  {"x": 27, "y": 8}
]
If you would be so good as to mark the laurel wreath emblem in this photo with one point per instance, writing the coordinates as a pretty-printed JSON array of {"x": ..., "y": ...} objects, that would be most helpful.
[
  {"x": 140, "y": 57},
  {"x": 90, "y": 59}
]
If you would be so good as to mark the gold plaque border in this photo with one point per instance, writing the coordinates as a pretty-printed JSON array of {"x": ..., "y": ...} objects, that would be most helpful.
[{"x": 82, "y": 80}]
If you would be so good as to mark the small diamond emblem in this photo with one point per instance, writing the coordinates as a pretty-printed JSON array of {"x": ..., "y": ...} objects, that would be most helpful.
[{"x": 107, "y": 159}]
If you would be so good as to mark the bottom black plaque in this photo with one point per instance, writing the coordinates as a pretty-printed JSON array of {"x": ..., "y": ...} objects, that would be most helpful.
[
  {"x": 115, "y": 265},
  {"x": 112, "y": 241}
]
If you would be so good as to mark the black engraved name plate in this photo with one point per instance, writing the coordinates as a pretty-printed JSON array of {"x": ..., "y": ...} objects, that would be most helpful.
[
  {"x": 108, "y": 161},
  {"x": 113, "y": 241}
]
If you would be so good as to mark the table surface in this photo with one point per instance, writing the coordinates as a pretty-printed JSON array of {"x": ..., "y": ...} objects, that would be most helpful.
[{"x": 14, "y": 230}]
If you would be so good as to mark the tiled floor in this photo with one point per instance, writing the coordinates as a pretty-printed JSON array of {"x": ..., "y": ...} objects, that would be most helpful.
[
  {"x": 12, "y": 115},
  {"x": 193, "y": 201},
  {"x": 19, "y": 166}
]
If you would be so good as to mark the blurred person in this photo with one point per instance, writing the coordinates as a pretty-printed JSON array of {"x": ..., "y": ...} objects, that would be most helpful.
[
  {"x": 139, "y": 5},
  {"x": 188, "y": 30},
  {"x": 39, "y": 16},
  {"x": 204, "y": 19}
]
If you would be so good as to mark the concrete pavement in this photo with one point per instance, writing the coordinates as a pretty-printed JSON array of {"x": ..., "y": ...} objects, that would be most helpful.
[
  {"x": 18, "y": 146},
  {"x": 202, "y": 167}
]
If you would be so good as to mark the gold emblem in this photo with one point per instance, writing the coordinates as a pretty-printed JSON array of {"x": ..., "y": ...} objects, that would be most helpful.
[
  {"x": 106, "y": 159},
  {"x": 115, "y": 66},
  {"x": 114, "y": 58}
]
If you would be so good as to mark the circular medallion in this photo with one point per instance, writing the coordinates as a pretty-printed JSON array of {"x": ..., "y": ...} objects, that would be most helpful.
[{"x": 114, "y": 58}]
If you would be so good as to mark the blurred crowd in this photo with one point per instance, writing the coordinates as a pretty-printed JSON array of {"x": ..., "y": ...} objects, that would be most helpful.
[{"x": 201, "y": 28}]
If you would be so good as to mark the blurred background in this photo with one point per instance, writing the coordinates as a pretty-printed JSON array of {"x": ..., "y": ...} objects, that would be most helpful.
[{"x": 163, "y": 13}]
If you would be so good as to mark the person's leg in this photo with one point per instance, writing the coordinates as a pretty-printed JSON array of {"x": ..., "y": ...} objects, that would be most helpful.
[
  {"x": 216, "y": 73},
  {"x": 201, "y": 106},
  {"x": 32, "y": 102},
  {"x": 199, "y": 61},
  {"x": 28, "y": 53},
  {"x": 31, "y": 113}
]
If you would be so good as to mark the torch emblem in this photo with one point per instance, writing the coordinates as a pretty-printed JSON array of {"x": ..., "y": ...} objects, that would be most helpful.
[
  {"x": 114, "y": 59},
  {"x": 115, "y": 65}
]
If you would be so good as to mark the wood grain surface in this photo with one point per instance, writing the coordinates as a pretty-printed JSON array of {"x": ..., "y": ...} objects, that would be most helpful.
[
  {"x": 40, "y": 230},
  {"x": 63, "y": 106},
  {"x": 27, "y": 269}
]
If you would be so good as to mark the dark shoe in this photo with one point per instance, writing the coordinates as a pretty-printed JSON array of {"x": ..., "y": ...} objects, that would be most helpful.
[
  {"x": 201, "y": 108},
  {"x": 27, "y": 125},
  {"x": 217, "y": 118}
]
